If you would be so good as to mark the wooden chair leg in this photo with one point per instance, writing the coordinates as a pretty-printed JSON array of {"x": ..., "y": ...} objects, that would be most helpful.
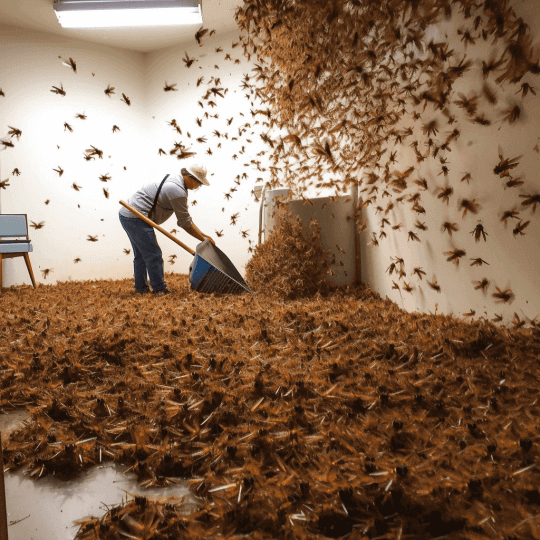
[{"x": 29, "y": 266}]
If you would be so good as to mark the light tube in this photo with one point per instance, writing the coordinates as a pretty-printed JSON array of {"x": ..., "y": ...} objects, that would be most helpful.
[{"x": 115, "y": 14}]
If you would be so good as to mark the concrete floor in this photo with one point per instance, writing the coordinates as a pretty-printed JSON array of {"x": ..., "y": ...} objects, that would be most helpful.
[{"x": 46, "y": 509}]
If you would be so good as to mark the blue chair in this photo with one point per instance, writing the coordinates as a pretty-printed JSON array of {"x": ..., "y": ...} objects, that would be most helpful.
[{"x": 12, "y": 226}]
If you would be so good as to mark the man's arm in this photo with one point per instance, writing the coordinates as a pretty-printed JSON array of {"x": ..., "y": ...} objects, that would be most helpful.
[
  {"x": 180, "y": 208},
  {"x": 195, "y": 232}
]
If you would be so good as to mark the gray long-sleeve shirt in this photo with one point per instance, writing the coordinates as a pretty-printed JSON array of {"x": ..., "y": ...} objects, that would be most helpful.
[{"x": 172, "y": 198}]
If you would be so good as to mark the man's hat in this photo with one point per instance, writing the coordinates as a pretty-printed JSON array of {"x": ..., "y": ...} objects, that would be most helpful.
[{"x": 199, "y": 172}]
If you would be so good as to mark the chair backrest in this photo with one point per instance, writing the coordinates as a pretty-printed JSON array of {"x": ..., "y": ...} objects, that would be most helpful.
[{"x": 13, "y": 225}]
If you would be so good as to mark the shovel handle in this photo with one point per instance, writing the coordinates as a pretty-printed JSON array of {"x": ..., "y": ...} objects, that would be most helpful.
[{"x": 156, "y": 226}]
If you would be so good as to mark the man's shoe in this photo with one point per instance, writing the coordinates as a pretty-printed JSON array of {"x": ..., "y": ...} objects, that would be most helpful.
[{"x": 162, "y": 292}]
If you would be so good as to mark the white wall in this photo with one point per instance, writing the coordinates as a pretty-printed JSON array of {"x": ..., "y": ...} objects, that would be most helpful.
[
  {"x": 29, "y": 69},
  {"x": 514, "y": 261}
]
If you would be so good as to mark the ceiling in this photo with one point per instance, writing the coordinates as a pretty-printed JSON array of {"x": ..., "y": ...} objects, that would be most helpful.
[{"x": 39, "y": 15}]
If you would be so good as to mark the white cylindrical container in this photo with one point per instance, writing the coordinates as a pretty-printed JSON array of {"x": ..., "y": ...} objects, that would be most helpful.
[{"x": 269, "y": 206}]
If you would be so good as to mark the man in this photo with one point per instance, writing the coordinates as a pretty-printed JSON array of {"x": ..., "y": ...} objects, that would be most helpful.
[{"x": 158, "y": 200}]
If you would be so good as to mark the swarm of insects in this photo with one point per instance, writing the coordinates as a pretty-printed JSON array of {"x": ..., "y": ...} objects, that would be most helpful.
[{"x": 376, "y": 96}]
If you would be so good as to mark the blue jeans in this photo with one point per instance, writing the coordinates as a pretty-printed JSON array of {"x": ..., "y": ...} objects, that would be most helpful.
[{"x": 147, "y": 254}]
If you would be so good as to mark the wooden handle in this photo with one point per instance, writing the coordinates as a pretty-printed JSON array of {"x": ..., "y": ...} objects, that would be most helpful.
[{"x": 150, "y": 222}]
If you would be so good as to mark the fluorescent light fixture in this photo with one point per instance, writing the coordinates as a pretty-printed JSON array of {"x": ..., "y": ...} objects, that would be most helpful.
[{"x": 121, "y": 13}]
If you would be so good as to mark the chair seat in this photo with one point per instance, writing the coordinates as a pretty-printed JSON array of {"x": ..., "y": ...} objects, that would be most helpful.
[{"x": 15, "y": 247}]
